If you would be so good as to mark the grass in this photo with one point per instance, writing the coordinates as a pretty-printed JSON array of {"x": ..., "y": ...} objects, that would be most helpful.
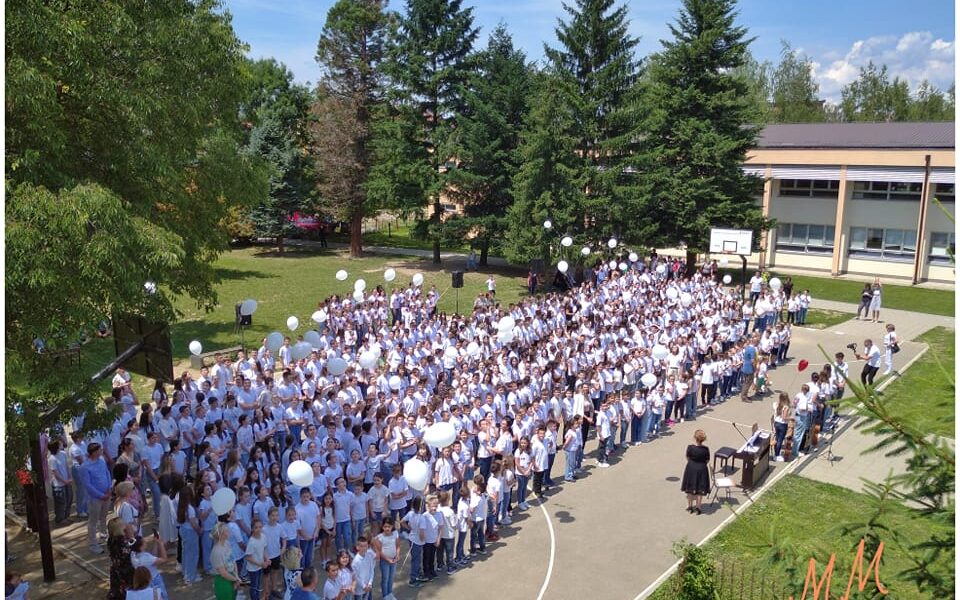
[
  {"x": 924, "y": 396},
  {"x": 936, "y": 302},
  {"x": 803, "y": 515},
  {"x": 293, "y": 284},
  {"x": 395, "y": 236},
  {"x": 818, "y": 318}
]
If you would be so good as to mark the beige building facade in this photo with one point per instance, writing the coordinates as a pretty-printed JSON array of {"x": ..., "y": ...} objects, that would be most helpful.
[{"x": 857, "y": 199}]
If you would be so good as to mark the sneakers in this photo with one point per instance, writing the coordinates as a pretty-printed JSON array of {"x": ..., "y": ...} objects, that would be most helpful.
[
  {"x": 524, "y": 506},
  {"x": 415, "y": 583},
  {"x": 603, "y": 465},
  {"x": 96, "y": 549},
  {"x": 887, "y": 372},
  {"x": 451, "y": 570},
  {"x": 506, "y": 521},
  {"x": 778, "y": 459}
]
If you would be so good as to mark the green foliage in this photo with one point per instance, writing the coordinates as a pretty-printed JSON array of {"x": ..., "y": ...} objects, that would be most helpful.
[
  {"x": 795, "y": 90},
  {"x": 428, "y": 63},
  {"x": 697, "y": 130},
  {"x": 350, "y": 53},
  {"x": 496, "y": 102},
  {"x": 695, "y": 575},
  {"x": 122, "y": 161},
  {"x": 873, "y": 97}
]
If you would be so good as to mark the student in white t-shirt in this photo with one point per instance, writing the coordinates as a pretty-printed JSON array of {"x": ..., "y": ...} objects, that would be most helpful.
[
  {"x": 378, "y": 496},
  {"x": 256, "y": 557},
  {"x": 139, "y": 557},
  {"x": 411, "y": 523}
]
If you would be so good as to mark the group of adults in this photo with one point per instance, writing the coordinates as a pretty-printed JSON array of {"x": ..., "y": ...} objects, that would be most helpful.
[{"x": 624, "y": 353}]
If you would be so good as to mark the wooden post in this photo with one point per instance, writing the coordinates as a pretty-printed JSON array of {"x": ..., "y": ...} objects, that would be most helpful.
[{"x": 40, "y": 511}]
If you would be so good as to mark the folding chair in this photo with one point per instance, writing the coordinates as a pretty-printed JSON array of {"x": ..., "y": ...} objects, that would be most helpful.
[{"x": 722, "y": 483}]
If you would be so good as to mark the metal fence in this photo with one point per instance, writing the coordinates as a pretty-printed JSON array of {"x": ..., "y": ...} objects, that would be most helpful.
[{"x": 739, "y": 581}]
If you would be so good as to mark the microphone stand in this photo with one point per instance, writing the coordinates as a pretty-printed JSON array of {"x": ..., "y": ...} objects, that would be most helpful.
[{"x": 735, "y": 426}]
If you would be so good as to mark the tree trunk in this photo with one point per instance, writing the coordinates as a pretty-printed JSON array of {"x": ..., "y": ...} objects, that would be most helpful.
[
  {"x": 691, "y": 262},
  {"x": 280, "y": 244},
  {"x": 484, "y": 251},
  {"x": 356, "y": 234},
  {"x": 437, "y": 215}
]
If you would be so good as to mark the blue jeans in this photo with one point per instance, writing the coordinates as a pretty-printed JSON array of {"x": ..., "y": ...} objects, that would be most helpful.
[
  {"x": 522, "y": 488},
  {"x": 306, "y": 551},
  {"x": 551, "y": 458},
  {"x": 601, "y": 450},
  {"x": 476, "y": 537},
  {"x": 503, "y": 511},
  {"x": 344, "y": 536},
  {"x": 669, "y": 411},
  {"x": 623, "y": 432},
  {"x": 206, "y": 543},
  {"x": 635, "y": 424},
  {"x": 416, "y": 561},
  {"x": 357, "y": 527},
  {"x": 255, "y": 577},
  {"x": 646, "y": 424},
  {"x": 485, "y": 466},
  {"x": 461, "y": 538},
  {"x": 781, "y": 433},
  {"x": 387, "y": 573},
  {"x": 570, "y": 464},
  {"x": 191, "y": 551},
  {"x": 799, "y": 431},
  {"x": 492, "y": 514},
  {"x": 81, "y": 492}
]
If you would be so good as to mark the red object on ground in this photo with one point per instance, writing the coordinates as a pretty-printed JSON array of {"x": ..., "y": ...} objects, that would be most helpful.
[{"x": 803, "y": 365}]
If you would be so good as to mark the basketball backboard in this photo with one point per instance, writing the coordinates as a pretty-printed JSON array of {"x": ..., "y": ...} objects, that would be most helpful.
[{"x": 731, "y": 241}]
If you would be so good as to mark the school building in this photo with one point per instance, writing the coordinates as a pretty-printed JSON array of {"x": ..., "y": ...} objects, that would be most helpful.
[{"x": 857, "y": 198}]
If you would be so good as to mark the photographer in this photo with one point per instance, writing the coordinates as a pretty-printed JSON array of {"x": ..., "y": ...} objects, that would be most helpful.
[{"x": 871, "y": 354}]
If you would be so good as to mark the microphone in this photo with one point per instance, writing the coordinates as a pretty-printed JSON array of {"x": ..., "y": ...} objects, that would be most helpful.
[{"x": 740, "y": 432}]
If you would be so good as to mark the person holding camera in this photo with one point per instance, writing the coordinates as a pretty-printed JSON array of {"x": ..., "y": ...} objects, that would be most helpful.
[
  {"x": 891, "y": 347},
  {"x": 871, "y": 354}
]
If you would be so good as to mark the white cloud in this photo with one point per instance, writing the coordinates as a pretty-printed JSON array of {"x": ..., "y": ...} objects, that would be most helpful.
[{"x": 914, "y": 56}]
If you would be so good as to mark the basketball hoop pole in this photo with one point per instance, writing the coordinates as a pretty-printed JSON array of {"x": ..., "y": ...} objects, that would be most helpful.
[{"x": 743, "y": 279}]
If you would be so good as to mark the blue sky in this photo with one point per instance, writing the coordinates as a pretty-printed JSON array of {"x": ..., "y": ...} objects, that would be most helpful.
[{"x": 915, "y": 39}]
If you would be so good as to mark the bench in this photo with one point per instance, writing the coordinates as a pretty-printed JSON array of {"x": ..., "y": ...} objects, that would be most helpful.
[
  {"x": 72, "y": 355},
  {"x": 198, "y": 361}
]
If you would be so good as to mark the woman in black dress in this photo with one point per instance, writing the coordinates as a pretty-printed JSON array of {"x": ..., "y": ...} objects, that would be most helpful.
[{"x": 696, "y": 478}]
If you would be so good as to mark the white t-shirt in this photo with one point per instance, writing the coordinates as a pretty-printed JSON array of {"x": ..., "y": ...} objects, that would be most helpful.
[
  {"x": 378, "y": 498},
  {"x": 256, "y": 548},
  {"x": 307, "y": 516},
  {"x": 430, "y": 527},
  {"x": 873, "y": 356}
]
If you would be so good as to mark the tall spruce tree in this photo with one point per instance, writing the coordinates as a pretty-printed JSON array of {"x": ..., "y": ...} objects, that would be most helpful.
[
  {"x": 697, "y": 130},
  {"x": 549, "y": 182},
  {"x": 488, "y": 136},
  {"x": 350, "y": 53},
  {"x": 428, "y": 64},
  {"x": 596, "y": 61}
]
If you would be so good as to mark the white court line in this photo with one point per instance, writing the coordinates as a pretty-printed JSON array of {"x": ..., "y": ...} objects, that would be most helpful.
[{"x": 553, "y": 552}]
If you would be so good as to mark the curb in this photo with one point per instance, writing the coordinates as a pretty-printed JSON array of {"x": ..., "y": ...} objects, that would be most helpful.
[{"x": 70, "y": 554}]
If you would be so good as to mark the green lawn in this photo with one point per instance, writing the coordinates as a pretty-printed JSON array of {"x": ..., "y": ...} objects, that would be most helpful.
[
  {"x": 803, "y": 515},
  {"x": 293, "y": 284},
  {"x": 395, "y": 236},
  {"x": 937, "y": 302},
  {"x": 822, "y": 318},
  {"x": 924, "y": 395}
]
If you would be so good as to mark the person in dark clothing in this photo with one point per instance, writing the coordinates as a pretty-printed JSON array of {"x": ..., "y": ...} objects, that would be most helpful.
[{"x": 696, "y": 477}]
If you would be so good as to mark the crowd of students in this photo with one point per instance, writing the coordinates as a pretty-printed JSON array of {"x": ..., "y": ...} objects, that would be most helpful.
[{"x": 620, "y": 357}]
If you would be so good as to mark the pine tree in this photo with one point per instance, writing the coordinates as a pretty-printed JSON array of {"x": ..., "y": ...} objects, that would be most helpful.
[
  {"x": 428, "y": 65},
  {"x": 350, "y": 52},
  {"x": 488, "y": 136},
  {"x": 697, "y": 131},
  {"x": 596, "y": 62}
]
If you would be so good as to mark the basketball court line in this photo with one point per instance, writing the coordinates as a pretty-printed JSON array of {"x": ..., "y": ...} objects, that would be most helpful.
[{"x": 553, "y": 552}]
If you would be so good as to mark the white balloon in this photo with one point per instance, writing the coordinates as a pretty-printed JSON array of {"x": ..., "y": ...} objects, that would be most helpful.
[
  {"x": 506, "y": 324},
  {"x": 418, "y": 279},
  {"x": 473, "y": 349},
  {"x": 313, "y": 338},
  {"x": 367, "y": 360},
  {"x": 672, "y": 293},
  {"x": 775, "y": 284},
  {"x": 293, "y": 323},
  {"x": 358, "y": 295},
  {"x": 195, "y": 348},
  {"x": 727, "y": 279},
  {"x": 505, "y": 337},
  {"x": 395, "y": 382},
  {"x": 274, "y": 341},
  {"x": 389, "y": 275},
  {"x": 223, "y": 501},
  {"x": 566, "y": 242},
  {"x": 660, "y": 352},
  {"x": 633, "y": 257},
  {"x": 342, "y": 275},
  {"x": 336, "y": 366},
  {"x": 300, "y": 350},
  {"x": 416, "y": 473},
  {"x": 661, "y": 269},
  {"x": 686, "y": 299},
  {"x": 248, "y": 307},
  {"x": 319, "y": 316},
  {"x": 612, "y": 243},
  {"x": 359, "y": 285},
  {"x": 622, "y": 266},
  {"x": 450, "y": 352},
  {"x": 547, "y": 224},
  {"x": 612, "y": 264},
  {"x": 562, "y": 266},
  {"x": 150, "y": 287},
  {"x": 585, "y": 251},
  {"x": 648, "y": 380},
  {"x": 300, "y": 473},
  {"x": 440, "y": 435},
  {"x": 724, "y": 261}
]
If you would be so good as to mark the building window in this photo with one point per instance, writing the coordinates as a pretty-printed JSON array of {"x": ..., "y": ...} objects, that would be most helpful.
[
  {"x": 944, "y": 192},
  {"x": 886, "y": 190},
  {"x": 809, "y": 188},
  {"x": 942, "y": 247},
  {"x": 802, "y": 237},
  {"x": 888, "y": 244}
]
